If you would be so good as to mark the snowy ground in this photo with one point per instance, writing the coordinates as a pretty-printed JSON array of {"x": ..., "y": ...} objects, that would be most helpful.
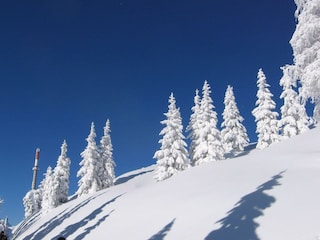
[{"x": 271, "y": 194}]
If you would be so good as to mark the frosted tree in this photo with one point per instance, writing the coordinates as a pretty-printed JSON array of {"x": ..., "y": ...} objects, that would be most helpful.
[
  {"x": 107, "y": 174},
  {"x": 90, "y": 167},
  {"x": 305, "y": 43},
  {"x": 31, "y": 202},
  {"x": 47, "y": 202},
  {"x": 234, "y": 134},
  {"x": 265, "y": 117},
  {"x": 28, "y": 203},
  {"x": 193, "y": 126},
  {"x": 208, "y": 145},
  {"x": 294, "y": 119},
  {"x": 61, "y": 175},
  {"x": 173, "y": 155}
]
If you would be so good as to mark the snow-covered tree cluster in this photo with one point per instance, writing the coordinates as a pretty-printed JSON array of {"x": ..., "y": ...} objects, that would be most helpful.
[
  {"x": 300, "y": 82},
  {"x": 208, "y": 143},
  {"x": 97, "y": 165},
  {"x": 96, "y": 173},
  {"x": 53, "y": 189}
]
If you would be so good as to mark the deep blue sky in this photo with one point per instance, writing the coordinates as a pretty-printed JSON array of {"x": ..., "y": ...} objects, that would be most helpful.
[{"x": 66, "y": 63}]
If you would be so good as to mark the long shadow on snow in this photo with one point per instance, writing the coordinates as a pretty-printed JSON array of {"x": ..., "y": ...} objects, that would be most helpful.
[
  {"x": 127, "y": 178},
  {"x": 163, "y": 232},
  {"x": 246, "y": 151},
  {"x": 57, "y": 220},
  {"x": 239, "y": 223},
  {"x": 74, "y": 227},
  {"x": 89, "y": 229}
]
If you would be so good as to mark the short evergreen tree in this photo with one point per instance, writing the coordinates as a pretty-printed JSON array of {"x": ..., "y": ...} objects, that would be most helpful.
[
  {"x": 305, "y": 44},
  {"x": 61, "y": 175},
  {"x": 234, "y": 134},
  {"x": 47, "y": 202},
  {"x": 265, "y": 116},
  {"x": 193, "y": 126},
  {"x": 294, "y": 119},
  {"x": 90, "y": 167},
  {"x": 107, "y": 174},
  {"x": 173, "y": 155},
  {"x": 31, "y": 202},
  {"x": 208, "y": 146}
]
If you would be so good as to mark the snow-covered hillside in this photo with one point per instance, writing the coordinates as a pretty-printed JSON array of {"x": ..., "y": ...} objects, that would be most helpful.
[{"x": 270, "y": 194}]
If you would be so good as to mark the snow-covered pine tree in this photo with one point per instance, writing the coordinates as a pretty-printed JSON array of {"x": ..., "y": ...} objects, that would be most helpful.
[
  {"x": 265, "y": 117},
  {"x": 90, "y": 166},
  {"x": 31, "y": 202},
  {"x": 173, "y": 155},
  {"x": 47, "y": 202},
  {"x": 208, "y": 146},
  {"x": 305, "y": 44},
  {"x": 193, "y": 126},
  {"x": 294, "y": 119},
  {"x": 107, "y": 174},
  {"x": 28, "y": 204},
  {"x": 234, "y": 134},
  {"x": 61, "y": 175}
]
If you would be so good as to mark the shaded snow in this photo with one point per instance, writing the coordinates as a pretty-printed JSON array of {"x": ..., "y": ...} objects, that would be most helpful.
[{"x": 263, "y": 194}]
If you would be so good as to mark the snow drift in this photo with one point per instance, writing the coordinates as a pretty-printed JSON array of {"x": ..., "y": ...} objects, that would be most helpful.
[{"x": 263, "y": 194}]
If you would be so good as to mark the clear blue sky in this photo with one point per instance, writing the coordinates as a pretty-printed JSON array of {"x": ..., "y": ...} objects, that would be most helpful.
[{"x": 66, "y": 63}]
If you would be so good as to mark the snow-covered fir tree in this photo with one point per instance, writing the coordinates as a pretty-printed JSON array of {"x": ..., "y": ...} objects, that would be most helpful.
[
  {"x": 305, "y": 43},
  {"x": 107, "y": 174},
  {"x": 47, "y": 202},
  {"x": 173, "y": 155},
  {"x": 90, "y": 167},
  {"x": 294, "y": 119},
  {"x": 32, "y": 202},
  {"x": 265, "y": 116},
  {"x": 208, "y": 145},
  {"x": 61, "y": 175},
  {"x": 234, "y": 134},
  {"x": 193, "y": 126}
]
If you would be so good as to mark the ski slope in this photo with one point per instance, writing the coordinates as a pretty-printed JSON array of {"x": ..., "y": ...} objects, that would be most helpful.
[{"x": 270, "y": 194}]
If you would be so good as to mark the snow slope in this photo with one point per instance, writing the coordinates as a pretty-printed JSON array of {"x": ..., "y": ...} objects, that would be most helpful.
[{"x": 271, "y": 194}]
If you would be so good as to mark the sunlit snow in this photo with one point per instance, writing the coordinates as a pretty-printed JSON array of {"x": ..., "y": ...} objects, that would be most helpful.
[{"x": 269, "y": 194}]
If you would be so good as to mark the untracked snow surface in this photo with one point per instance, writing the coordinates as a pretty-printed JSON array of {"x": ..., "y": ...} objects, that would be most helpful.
[{"x": 270, "y": 194}]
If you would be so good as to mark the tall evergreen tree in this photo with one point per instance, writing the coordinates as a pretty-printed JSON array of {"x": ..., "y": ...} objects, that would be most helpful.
[
  {"x": 193, "y": 126},
  {"x": 173, "y": 155},
  {"x": 234, "y": 134},
  {"x": 208, "y": 146},
  {"x": 107, "y": 174},
  {"x": 305, "y": 44},
  {"x": 90, "y": 181},
  {"x": 294, "y": 119},
  {"x": 265, "y": 116},
  {"x": 61, "y": 175},
  {"x": 47, "y": 202}
]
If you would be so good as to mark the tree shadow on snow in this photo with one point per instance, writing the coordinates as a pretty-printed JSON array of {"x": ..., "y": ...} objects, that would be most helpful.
[
  {"x": 84, "y": 221},
  {"x": 127, "y": 178},
  {"x": 239, "y": 223},
  {"x": 246, "y": 151},
  {"x": 163, "y": 232}
]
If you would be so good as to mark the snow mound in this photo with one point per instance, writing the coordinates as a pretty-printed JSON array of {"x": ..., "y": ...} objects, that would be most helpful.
[{"x": 262, "y": 194}]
